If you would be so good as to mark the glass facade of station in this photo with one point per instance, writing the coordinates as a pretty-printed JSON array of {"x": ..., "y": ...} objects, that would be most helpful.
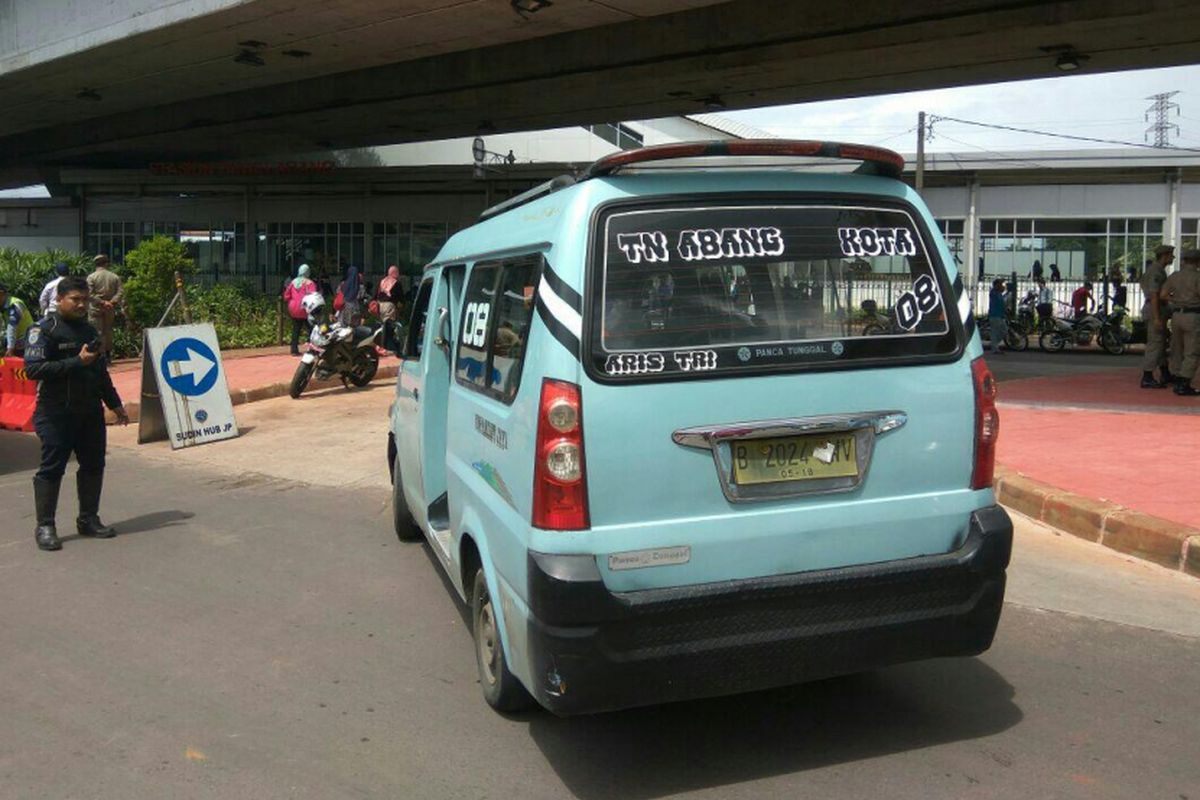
[{"x": 1080, "y": 247}]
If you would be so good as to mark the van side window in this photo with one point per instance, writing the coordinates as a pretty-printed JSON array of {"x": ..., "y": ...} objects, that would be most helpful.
[
  {"x": 514, "y": 312},
  {"x": 497, "y": 313},
  {"x": 416, "y": 327},
  {"x": 477, "y": 316}
]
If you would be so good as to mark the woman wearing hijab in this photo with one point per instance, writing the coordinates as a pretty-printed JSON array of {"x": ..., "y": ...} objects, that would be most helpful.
[
  {"x": 292, "y": 295},
  {"x": 351, "y": 288},
  {"x": 390, "y": 295}
]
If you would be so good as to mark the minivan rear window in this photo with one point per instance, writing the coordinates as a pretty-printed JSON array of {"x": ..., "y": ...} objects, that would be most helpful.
[{"x": 731, "y": 288}]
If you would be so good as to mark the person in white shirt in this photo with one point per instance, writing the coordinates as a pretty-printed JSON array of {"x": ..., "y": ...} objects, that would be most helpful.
[
  {"x": 49, "y": 298},
  {"x": 1045, "y": 301}
]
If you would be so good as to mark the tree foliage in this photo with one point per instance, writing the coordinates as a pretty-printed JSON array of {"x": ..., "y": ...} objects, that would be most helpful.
[{"x": 150, "y": 285}]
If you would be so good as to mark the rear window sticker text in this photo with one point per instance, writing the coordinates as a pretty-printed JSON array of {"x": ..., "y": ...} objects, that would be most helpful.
[
  {"x": 695, "y": 360},
  {"x": 913, "y": 305},
  {"x": 859, "y": 242},
  {"x": 652, "y": 247},
  {"x": 634, "y": 363}
]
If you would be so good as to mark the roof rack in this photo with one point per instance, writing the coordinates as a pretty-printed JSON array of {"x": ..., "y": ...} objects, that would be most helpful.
[
  {"x": 541, "y": 190},
  {"x": 875, "y": 161}
]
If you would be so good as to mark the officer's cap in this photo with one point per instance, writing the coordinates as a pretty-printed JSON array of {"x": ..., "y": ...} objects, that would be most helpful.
[
  {"x": 100, "y": 259},
  {"x": 1163, "y": 249},
  {"x": 1191, "y": 255}
]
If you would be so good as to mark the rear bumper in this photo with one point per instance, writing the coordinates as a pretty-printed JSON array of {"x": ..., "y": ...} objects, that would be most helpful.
[{"x": 594, "y": 650}]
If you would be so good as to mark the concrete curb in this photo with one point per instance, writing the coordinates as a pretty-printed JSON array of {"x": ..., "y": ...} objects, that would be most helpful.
[
  {"x": 267, "y": 392},
  {"x": 1166, "y": 543}
]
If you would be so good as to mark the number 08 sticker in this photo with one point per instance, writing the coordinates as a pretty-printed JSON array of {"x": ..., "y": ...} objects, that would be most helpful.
[{"x": 912, "y": 306}]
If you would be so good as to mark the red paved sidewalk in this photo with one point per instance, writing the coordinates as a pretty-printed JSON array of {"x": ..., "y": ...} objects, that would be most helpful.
[
  {"x": 1107, "y": 389},
  {"x": 1142, "y": 456},
  {"x": 246, "y": 369}
]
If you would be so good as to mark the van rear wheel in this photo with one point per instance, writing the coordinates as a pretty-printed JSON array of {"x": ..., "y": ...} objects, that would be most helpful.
[
  {"x": 406, "y": 527},
  {"x": 501, "y": 689}
]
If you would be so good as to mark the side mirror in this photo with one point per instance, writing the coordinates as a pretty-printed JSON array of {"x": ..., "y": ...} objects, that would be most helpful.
[{"x": 442, "y": 339}]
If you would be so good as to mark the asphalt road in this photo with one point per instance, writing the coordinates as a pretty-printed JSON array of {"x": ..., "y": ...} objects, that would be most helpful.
[
  {"x": 1033, "y": 363},
  {"x": 251, "y": 637}
]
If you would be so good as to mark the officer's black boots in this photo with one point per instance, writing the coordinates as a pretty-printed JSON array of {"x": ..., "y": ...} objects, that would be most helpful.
[
  {"x": 1183, "y": 386},
  {"x": 1148, "y": 381},
  {"x": 89, "y": 524},
  {"x": 45, "y": 501}
]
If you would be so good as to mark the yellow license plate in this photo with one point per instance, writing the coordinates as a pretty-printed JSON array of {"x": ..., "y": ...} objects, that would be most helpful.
[{"x": 794, "y": 458}]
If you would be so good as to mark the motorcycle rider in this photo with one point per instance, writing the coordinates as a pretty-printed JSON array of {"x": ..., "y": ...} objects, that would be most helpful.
[
  {"x": 1156, "y": 317},
  {"x": 1182, "y": 291}
]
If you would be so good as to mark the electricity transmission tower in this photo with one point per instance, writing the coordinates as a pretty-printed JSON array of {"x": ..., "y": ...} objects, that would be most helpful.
[{"x": 1160, "y": 109}]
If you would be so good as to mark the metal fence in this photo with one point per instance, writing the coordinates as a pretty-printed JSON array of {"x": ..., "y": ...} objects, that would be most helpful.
[{"x": 885, "y": 291}]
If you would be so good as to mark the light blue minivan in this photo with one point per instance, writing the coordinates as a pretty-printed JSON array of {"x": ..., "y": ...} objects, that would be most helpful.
[{"x": 652, "y": 425}]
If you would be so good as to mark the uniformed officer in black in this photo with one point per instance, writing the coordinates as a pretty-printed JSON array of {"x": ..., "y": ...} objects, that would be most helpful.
[{"x": 63, "y": 353}]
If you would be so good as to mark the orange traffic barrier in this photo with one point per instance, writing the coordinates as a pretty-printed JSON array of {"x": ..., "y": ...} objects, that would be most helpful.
[{"x": 18, "y": 396}]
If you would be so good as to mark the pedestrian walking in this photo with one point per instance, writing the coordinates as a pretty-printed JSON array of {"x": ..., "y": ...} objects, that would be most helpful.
[
  {"x": 17, "y": 322},
  {"x": 1082, "y": 301},
  {"x": 48, "y": 300},
  {"x": 106, "y": 296},
  {"x": 64, "y": 354},
  {"x": 1120, "y": 292},
  {"x": 1036, "y": 271},
  {"x": 997, "y": 315},
  {"x": 351, "y": 289},
  {"x": 1045, "y": 303},
  {"x": 1182, "y": 291},
  {"x": 1155, "y": 315},
  {"x": 1055, "y": 275},
  {"x": 390, "y": 295},
  {"x": 293, "y": 293}
]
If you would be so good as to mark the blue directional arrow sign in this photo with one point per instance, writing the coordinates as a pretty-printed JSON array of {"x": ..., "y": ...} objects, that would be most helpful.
[{"x": 189, "y": 367}]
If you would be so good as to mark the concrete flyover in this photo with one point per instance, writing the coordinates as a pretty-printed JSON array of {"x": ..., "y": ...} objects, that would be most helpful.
[{"x": 136, "y": 81}]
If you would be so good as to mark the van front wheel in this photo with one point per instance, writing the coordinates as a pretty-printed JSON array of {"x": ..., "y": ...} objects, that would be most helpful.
[
  {"x": 406, "y": 527},
  {"x": 501, "y": 689}
]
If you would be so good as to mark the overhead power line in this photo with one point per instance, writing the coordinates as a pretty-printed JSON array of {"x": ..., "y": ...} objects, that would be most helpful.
[{"x": 1068, "y": 136}]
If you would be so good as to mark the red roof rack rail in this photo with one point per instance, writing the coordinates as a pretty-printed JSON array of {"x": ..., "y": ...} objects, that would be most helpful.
[{"x": 875, "y": 160}]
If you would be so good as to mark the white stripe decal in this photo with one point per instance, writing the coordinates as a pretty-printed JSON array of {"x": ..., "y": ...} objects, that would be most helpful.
[
  {"x": 570, "y": 319},
  {"x": 964, "y": 307}
]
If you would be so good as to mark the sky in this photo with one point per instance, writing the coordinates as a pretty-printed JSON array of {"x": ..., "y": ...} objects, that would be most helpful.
[{"x": 1102, "y": 106}]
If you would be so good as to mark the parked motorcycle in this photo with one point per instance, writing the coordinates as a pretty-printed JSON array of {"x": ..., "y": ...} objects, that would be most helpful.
[
  {"x": 1015, "y": 338},
  {"x": 347, "y": 351},
  {"x": 1107, "y": 330}
]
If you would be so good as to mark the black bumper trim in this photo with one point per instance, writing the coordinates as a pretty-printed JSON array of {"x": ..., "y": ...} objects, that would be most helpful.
[{"x": 591, "y": 649}]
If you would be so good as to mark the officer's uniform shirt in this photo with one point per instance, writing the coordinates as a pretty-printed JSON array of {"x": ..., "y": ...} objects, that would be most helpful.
[
  {"x": 66, "y": 383},
  {"x": 17, "y": 322},
  {"x": 1183, "y": 287},
  {"x": 1152, "y": 282}
]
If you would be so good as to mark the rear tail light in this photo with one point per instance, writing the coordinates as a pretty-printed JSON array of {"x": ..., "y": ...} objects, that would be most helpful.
[
  {"x": 987, "y": 425},
  {"x": 559, "y": 481}
]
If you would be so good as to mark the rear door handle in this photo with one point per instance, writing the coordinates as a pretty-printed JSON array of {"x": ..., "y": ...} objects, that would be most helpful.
[{"x": 416, "y": 394}]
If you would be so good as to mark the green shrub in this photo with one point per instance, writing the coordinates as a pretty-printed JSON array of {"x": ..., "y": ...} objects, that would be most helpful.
[
  {"x": 151, "y": 268},
  {"x": 26, "y": 273},
  {"x": 242, "y": 316}
]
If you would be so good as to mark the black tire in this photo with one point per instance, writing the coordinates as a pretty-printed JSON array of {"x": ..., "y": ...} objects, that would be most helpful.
[
  {"x": 501, "y": 689},
  {"x": 1111, "y": 342},
  {"x": 365, "y": 368},
  {"x": 300, "y": 379},
  {"x": 1016, "y": 340},
  {"x": 406, "y": 527},
  {"x": 1052, "y": 342}
]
